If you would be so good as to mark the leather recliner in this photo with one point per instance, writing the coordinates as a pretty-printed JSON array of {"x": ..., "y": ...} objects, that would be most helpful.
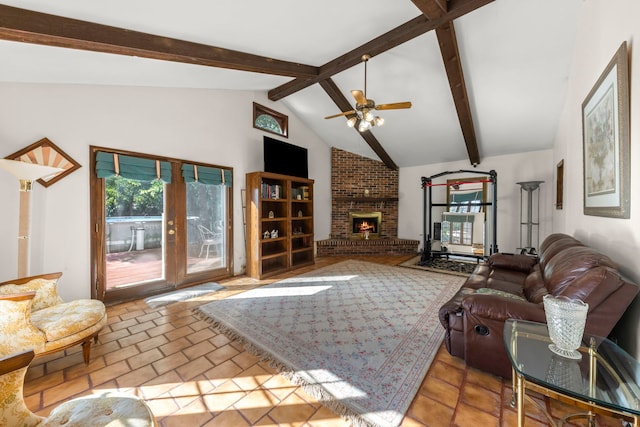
[{"x": 513, "y": 286}]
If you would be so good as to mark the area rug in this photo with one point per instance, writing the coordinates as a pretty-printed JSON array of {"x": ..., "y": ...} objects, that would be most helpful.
[
  {"x": 183, "y": 294},
  {"x": 442, "y": 265},
  {"x": 358, "y": 336}
]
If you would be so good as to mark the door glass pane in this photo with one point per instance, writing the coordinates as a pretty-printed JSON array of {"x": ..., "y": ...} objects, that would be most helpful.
[
  {"x": 134, "y": 226},
  {"x": 206, "y": 227}
]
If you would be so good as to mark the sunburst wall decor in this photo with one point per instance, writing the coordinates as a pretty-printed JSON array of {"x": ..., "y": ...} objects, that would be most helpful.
[{"x": 45, "y": 152}]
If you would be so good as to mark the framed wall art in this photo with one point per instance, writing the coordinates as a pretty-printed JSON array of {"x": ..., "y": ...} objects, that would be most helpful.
[
  {"x": 45, "y": 152},
  {"x": 605, "y": 140}
]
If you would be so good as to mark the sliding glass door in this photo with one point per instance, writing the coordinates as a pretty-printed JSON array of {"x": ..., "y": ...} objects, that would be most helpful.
[{"x": 159, "y": 224}]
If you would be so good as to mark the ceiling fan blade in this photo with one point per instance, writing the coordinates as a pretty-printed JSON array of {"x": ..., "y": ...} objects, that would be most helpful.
[
  {"x": 394, "y": 106},
  {"x": 346, "y": 113},
  {"x": 359, "y": 96}
]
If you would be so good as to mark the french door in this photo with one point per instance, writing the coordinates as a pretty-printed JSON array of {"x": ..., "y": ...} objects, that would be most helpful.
[{"x": 158, "y": 224}]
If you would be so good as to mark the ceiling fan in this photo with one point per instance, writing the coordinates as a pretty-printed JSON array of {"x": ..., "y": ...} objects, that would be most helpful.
[{"x": 364, "y": 116}]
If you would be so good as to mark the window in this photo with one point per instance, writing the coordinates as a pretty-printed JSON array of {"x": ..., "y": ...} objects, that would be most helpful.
[
  {"x": 270, "y": 120},
  {"x": 458, "y": 230}
]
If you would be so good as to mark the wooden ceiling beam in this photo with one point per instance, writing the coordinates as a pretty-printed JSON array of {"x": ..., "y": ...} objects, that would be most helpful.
[
  {"x": 27, "y": 26},
  {"x": 451, "y": 57},
  {"x": 448, "y": 43},
  {"x": 344, "y": 105},
  {"x": 383, "y": 43}
]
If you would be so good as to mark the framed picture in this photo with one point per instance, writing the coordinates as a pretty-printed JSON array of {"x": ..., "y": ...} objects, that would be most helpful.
[
  {"x": 605, "y": 140},
  {"x": 45, "y": 152}
]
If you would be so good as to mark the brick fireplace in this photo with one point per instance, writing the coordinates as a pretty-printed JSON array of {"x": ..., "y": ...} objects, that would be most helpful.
[{"x": 360, "y": 185}]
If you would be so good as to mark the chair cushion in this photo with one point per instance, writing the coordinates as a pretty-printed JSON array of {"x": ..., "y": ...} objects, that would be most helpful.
[
  {"x": 46, "y": 293},
  {"x": 68, "y": 318}
]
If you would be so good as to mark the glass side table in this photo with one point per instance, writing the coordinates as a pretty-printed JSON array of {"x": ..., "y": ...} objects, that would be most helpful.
[{"x": 604, "y": 381}]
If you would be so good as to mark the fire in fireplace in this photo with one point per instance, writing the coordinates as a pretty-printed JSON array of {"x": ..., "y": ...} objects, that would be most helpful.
[{"x": 365, "y": 225}]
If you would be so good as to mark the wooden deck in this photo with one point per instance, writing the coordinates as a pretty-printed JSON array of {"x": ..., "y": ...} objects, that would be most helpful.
[{"x": 126, "y": 268}]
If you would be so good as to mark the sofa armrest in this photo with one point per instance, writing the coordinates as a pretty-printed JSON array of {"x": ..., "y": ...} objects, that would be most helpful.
[
  {"x": 500, "y": 308},
  {"x": 517, "y": 262}
]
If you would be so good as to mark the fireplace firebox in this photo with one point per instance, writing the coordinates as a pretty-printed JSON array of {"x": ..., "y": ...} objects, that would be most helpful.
[{"x": 365, "y": 225}]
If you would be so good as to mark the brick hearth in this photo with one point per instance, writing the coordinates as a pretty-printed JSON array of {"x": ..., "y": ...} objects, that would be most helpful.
[
  {"x": 367, "y": 247},
  {"x": 360, "y": 184}
]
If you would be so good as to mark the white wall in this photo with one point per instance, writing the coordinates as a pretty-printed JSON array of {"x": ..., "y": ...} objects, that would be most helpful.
[
  {"x": 209, "y": 126},
  {"x": 603, "y": 26},
  {"x": 532, "y": 166}
]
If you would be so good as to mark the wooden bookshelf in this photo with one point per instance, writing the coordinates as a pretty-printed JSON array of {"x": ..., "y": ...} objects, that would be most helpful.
[{"x": 279, "y": 223}]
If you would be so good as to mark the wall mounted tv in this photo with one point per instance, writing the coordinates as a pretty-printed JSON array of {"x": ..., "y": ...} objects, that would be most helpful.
[{"x": 284, "y": 158}]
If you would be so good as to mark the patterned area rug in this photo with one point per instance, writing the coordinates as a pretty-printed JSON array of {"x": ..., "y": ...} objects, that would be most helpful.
[{"x": 358, "y": 336}]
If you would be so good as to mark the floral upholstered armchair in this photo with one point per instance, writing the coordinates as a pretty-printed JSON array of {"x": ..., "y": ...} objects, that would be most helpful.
[
  {"x": 34, "y": 317},
  {"x": 109, "y": 409}
]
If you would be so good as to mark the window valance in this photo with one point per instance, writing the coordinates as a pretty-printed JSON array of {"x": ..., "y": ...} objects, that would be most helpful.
[
  {"x": 112, "y": 164},
  {"x": 206, "y": 175}
]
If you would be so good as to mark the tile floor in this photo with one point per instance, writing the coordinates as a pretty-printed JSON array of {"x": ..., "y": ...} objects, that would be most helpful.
[{"x": 191, "y": 375}]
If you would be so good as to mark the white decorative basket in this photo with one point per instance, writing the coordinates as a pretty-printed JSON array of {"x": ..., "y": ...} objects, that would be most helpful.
[{"x": 565, "y": 319}]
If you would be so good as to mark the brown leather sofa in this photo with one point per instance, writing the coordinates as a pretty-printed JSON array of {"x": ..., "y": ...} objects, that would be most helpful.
[{"x": 513, "y": 286}]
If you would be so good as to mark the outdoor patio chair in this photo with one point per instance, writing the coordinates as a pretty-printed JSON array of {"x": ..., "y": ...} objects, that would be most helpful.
[{"x": 209, "y": 238}]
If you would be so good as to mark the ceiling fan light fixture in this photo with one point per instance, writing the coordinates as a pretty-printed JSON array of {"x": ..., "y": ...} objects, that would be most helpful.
[
  {"x": 379, "y": 121},
  {"x": 351, "y": 122},
  {"x": 364, "y": 125},
  {"x": 368, "y": 115}
]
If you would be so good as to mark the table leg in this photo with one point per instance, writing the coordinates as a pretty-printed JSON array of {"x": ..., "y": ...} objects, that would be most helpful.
[{"x": 520, "y": 382}]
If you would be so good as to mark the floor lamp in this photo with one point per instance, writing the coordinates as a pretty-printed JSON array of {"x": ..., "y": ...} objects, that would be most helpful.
[{"x": 26, "y": 173}]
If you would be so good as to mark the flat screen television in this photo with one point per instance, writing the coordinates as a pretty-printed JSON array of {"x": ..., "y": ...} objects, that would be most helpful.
[{"x": 284, "y": 158}]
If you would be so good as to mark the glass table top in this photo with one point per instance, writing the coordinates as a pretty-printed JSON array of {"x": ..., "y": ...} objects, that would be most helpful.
[{"x": 606, "y": 375}]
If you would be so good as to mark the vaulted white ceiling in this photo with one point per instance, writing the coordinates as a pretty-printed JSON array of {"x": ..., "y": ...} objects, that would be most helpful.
[{"x": 515, "y": 55}]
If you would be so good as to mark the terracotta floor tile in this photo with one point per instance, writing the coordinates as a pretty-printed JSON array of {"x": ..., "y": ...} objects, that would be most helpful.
[
  {"x": 65, "y": 390},
  {"x": 109, "y": 372},
  {"x": 160, "y": 385},
  {"x": 223, "y": 372},
  {"x": 230, "y": 418},
  {"x": 130, "y": 340},
  {"x": 194, "y": 413},
  {"x": 171, "y": 362},
  {"x": 178, "y": 333},
  {"x": 194, "y": 368},
  {"x": 154, "y": 342},
  {"x": 121, "y": 354},
  {"x": 323, "y": 417},
  {"x": 201, "y": 349},
  {"x": 252, "y": 378},
  {"x": 145, "y": 358},
  {"x": 201, "y": 335},
  {"x": 279, "y": 386},
  {"x": 136, "y": 377},
  {"x": 175, "y": 346},
  {"x": 430, "y": 412},
  {"x": 222, "y": 397},
  {"x": 222, "y": 354},
  {"x": 256, "y": 404},
  {"x": 466, "y": 416},
  {"x": 292, "y": 411},
  {"x": 482, "y": 398},
  {"x": 441, "y": 391},
  {"x": 446, "y": 373}
]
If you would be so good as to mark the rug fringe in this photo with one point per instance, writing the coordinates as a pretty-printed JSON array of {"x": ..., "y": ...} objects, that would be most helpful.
[{"x": 318, "y": 392}]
